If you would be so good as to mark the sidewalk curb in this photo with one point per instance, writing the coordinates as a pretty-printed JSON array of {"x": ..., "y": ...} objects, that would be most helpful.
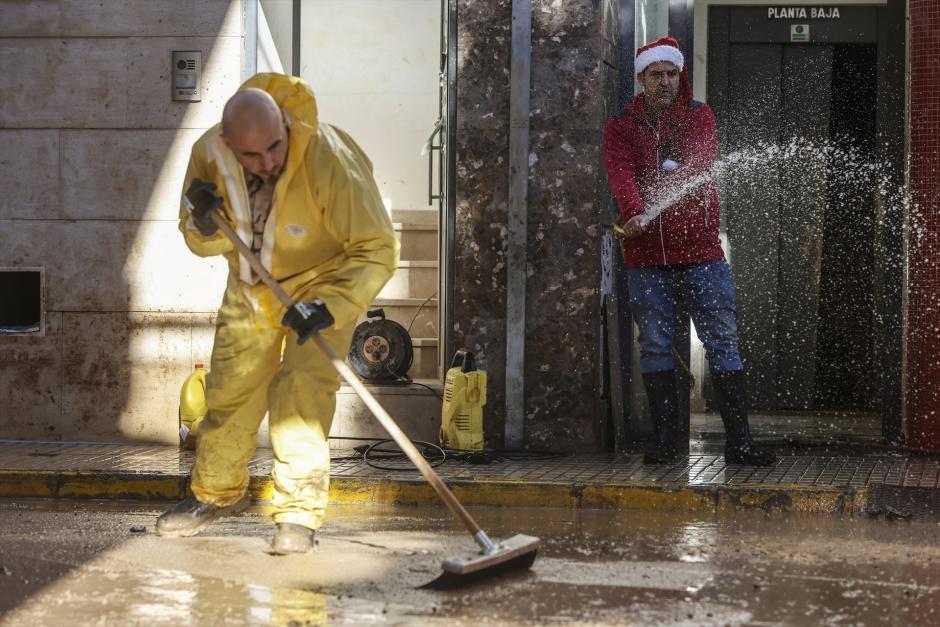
[{"x": 830, "y": 500}]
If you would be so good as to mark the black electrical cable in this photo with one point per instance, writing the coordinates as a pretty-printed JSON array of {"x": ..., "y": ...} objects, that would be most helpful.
[
  {"x": 435, "y": 454},
  {"x": 427, "y": 387},
  {"x": 485, "y": 456},
  {"x": 396, "y": 454},
  {"x": 358, "y": 455},
  {"x": 431, "y": 452},
  {"x": 409, "y": 381},
  {"x": 420, "y": 307}
]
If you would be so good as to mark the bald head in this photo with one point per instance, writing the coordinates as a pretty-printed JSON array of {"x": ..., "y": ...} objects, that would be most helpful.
[
  {"x": 255, "y": 128},
  {"x": 247, "y": 109}
]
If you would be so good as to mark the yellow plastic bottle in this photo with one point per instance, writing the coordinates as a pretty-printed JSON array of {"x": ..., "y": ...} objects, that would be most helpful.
[{"x": 192, "y": 406}]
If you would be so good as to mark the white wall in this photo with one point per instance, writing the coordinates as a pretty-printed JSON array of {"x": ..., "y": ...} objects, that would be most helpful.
[
  {"x": 275, "y": 36},
  {"x": 374, "y": 66}
]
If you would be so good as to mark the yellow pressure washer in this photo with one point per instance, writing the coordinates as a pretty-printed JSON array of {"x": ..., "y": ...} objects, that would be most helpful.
[{"x": 464, "y": 398}]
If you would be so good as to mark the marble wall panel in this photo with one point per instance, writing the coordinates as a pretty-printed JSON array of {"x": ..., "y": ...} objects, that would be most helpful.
[
  {"x": 480, "y": 268},
  {"x": 55, "y": 83},
  {"x": 114, "y": 266},
  {"x": 562, "y": 302},
  {"x": 484, "y": 42},
  {"x": 484, "y": 38},
  {"x": 118, "y": 18},
  {"x": 31, "y": 383},
  {"x": 562, "y": 308},
  {"x": 31, "y": 159},
  {"x": 123, "y": 373},
  {"x": 124, "y": 174},
  {"x": 566, "y": 58},
  {"x": 562, "y": 404}
]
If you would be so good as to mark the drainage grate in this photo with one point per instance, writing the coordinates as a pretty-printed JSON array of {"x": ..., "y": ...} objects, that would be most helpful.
[{"x": 903, "y": 502}]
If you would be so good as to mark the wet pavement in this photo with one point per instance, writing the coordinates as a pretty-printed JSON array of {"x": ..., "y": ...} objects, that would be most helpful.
[{"x": 92, "y": 563}]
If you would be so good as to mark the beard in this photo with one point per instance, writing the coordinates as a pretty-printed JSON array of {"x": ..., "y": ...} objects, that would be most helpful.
[{"x": 664, "y": 98}]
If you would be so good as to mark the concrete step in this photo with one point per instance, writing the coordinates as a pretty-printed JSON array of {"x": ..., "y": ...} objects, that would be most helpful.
[
  {"x": 416, "y": 409},
  {"x": 419, "y": 242},
  {"x": 419, "y": 314},
  {"x": 412, "y": 279},
  {"x": 415, "y": 216},
  {"x": 424, "y": 365}
]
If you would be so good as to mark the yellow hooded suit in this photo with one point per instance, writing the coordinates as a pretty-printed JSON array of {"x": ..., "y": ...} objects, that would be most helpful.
[{"x": 327, "y": 236}]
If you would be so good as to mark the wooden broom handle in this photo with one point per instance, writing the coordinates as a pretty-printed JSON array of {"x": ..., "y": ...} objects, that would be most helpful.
[{"x": 374, "y": 406}]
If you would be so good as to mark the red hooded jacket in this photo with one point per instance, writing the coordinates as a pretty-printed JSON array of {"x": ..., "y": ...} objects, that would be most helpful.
[{"x": 635, "y": 147}]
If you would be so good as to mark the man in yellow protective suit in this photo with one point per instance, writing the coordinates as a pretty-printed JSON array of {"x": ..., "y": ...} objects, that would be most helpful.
[{"x": 302, "y": 196}]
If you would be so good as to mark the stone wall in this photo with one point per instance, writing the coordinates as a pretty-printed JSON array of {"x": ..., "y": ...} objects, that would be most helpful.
[
  {"x": 92, "y": 154},
  {"x": 562, "y": 373}
]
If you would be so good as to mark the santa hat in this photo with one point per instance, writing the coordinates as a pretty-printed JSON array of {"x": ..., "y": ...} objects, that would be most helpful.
[{"x": 663, "y": 49}]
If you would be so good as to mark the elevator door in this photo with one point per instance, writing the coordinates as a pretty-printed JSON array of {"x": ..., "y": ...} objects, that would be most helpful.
[{"x": 799, "y": 220}]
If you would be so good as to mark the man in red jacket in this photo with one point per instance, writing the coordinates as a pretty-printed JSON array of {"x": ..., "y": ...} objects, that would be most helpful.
[{"x": 658, "y": 159}]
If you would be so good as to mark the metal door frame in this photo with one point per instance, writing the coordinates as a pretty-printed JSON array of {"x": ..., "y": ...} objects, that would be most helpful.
[{"x": 443, "y": 142}]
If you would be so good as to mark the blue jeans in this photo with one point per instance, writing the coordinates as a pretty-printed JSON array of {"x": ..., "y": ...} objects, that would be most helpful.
[{"x": 707, "y": 291}]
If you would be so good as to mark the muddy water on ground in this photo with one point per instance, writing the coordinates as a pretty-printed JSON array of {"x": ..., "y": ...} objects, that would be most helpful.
[{"x": 82, "y": 564}]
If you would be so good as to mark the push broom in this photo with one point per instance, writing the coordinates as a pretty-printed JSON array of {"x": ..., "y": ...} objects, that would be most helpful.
[{"x": 515, "y": 553}]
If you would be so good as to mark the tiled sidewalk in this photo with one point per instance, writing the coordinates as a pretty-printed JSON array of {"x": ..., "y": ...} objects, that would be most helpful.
[
  {"x": 893, "y": 469},
  {"x": 853, "y": 483}
]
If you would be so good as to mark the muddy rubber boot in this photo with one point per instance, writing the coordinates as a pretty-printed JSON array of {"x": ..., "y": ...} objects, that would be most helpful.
[
  {"x": 661, "y": 392},
  {"x": 292, "y": 538},
  {"x": 190, "y": 516},
  {"x": 731, "y": 394}
]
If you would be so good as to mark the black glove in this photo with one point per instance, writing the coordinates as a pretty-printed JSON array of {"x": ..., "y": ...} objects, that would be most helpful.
[
  {"x": 201, "y": 202},
  {"x": 306, "y": 318}
]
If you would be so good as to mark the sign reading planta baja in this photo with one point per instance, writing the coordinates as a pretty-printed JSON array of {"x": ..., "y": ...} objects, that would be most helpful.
[{"x": 803, "y": 13}]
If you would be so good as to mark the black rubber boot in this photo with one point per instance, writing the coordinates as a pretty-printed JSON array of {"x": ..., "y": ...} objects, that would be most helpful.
[
  {"x": 292, "y": 538},
  {"x": 190, "y": 516},
  {"x": 731, "y": 394},
  {"x": 664, "y": 407}
]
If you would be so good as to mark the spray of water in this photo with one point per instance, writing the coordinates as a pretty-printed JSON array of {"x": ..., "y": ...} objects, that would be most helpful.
[
  {"x": 814, "y": 235},
  {"x": 799, "y": 155}
]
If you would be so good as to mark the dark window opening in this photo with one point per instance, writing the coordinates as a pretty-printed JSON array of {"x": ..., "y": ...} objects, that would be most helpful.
[{"x": 20, "y": 301}]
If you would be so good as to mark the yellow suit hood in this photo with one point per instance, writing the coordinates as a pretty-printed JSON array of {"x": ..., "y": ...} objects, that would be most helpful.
[
  {"x": 292, "y": 94},
  {"x": 328, "y": 234}
]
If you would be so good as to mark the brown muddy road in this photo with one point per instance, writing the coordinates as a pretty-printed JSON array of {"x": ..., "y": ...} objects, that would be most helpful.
[{"x": 78, "y": 563}]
